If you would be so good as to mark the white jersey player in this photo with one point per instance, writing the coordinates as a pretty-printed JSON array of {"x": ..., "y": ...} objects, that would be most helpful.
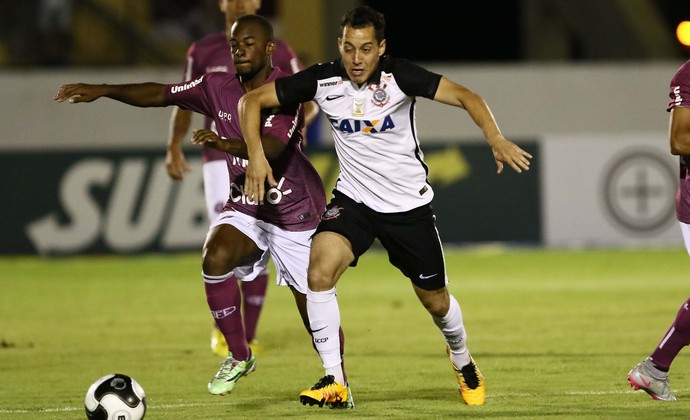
[{"x": 382, "y": 191}]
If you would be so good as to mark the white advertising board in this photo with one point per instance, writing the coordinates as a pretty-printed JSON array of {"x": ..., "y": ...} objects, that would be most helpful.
[{"x": 609, "y": 190}]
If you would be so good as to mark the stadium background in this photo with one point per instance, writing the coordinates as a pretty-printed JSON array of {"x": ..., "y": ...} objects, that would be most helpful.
[{"x": 583, "y": 85}]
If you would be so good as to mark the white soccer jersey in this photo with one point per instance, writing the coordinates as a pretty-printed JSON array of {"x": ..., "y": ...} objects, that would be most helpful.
[{"x": 381, "y": 163}]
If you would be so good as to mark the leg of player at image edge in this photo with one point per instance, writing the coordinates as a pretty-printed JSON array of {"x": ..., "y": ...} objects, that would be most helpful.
[
  {"x": 651, "y": 375},
  {"x": 654, "y": 382},
  {"x": 332, "y": 390},
  {"x": 470, "y": 380}
]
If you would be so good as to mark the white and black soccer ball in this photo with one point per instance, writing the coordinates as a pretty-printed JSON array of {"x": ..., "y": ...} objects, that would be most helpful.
[{"x": 115, "y": 397}]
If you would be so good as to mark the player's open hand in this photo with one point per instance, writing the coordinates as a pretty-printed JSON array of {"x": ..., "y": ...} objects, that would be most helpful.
[
  {"x": 79, "y": 92},
  {"x": 176, "y": 164},
  {"x": 258, "y": 172},
  {"x": 505, "y": 151},
  {"x": 205, "y": 137},
  {"x": 209, "y": 138}
]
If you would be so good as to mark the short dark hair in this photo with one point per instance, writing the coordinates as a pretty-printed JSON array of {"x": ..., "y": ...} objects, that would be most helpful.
[
  {"x": 266, "y": 26},
  {"x": 363, "y": 16}
]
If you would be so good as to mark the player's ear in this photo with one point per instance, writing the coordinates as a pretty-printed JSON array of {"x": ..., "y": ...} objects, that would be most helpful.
[
  {"x": 382, "y": 47},
  {"x": 270, "y": 47}
]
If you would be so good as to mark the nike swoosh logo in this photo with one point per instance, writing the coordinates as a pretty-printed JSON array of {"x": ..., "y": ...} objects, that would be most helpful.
[
  {"x": 333, "y": 97},
  {"x": 234, "y": 377},
  {"x": 320, "y": 329},
  {"x": 423, "y": 277}
]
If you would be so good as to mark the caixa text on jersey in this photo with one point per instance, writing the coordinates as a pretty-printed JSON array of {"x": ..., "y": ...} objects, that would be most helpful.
[{"x": 365, "y": 126}]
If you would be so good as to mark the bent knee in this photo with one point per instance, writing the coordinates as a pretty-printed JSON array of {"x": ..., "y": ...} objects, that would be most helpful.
[
  {"x": 216, "y": 260},
  {"x": 320, "y": 279}
]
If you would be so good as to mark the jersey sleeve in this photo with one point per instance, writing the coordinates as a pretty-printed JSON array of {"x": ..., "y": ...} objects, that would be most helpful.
[
  {"x": 192, "y": 95},
  {"x": 680, "y": 88},
  {"x": 415, "y": 80},
  {"x": 298, "y": 88},
  {"x": 282, "y": 123}
]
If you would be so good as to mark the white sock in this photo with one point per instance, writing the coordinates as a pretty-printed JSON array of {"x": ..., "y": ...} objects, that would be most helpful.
[
  {"x": 454, "y": 332},
  {"x": 324, "y": 321}
]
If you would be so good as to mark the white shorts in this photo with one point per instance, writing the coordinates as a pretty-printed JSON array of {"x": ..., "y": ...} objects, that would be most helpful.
[
  {"x": 685, "y": 230},
  {"x": 216, "y": 187},
  {"x": 289, "y": 250},
  {"x": 217, "y": 191}
]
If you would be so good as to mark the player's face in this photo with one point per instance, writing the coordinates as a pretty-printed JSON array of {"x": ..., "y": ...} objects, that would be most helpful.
[
  {"x": 236, "y": 8},
  {"x": 360, "y": 52},
  {"x": 249, "y": 48}
]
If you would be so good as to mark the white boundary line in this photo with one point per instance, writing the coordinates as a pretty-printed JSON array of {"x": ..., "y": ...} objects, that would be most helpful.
[
  {"x": 490, "y": 395},
  {"x": 67, "y": 409}
]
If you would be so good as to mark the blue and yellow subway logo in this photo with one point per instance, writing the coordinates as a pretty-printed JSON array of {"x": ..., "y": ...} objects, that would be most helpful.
[{"x": 364, "y": 126}]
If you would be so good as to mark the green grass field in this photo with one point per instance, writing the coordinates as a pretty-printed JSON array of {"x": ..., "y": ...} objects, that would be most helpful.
[{"x": 554, "y": 332}]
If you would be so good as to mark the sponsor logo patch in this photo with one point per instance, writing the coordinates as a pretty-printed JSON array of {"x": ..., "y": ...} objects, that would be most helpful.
[
  {"x": 334, "y": 83},
  {"x": 222, "y": 313},
  {"x": 364, "y": 126},
  {"x": 181, "y": 88}
]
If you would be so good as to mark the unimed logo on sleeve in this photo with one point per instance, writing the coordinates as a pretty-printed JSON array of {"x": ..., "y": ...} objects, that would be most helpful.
[{"x": 181, "y": 88}]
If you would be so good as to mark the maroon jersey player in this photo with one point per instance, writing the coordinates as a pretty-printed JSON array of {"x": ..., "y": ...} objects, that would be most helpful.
[
  {"x": 247, "y": 231},
  {"x": 651, "y": 375},
  {"x": 212, "y": 54}
]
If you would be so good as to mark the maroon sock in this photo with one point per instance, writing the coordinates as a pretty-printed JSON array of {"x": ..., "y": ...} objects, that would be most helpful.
[
  {"x": 223, "y": 297},
  {"x": 677, "y": 337},
  {"x": 253, "y": 294}
]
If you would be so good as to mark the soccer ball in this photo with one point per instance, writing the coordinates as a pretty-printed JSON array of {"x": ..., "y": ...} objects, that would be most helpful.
[{"x": 115, "y": 397}]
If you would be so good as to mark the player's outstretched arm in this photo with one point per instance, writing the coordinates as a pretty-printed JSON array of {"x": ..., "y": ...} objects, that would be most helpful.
[
  {"x": 140, "y": 94},
  {"x": 249, "y": 110},
  {"x": 504, "y": 150}
]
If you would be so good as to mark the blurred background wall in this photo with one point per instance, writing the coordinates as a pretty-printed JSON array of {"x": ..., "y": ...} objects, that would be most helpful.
[
  {"x": 583, "y": 84},
  {"x": 157, "y": 32}
]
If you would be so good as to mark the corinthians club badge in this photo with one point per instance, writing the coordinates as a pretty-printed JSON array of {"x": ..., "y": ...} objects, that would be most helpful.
[{"x": 379, "y": 97}]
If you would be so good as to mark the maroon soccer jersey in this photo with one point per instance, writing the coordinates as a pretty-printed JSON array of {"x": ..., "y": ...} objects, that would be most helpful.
[
  {"x": 680, "y": 97},
  {"x": 212, "y": 54},
  {"x": 298, "y": 200}
]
